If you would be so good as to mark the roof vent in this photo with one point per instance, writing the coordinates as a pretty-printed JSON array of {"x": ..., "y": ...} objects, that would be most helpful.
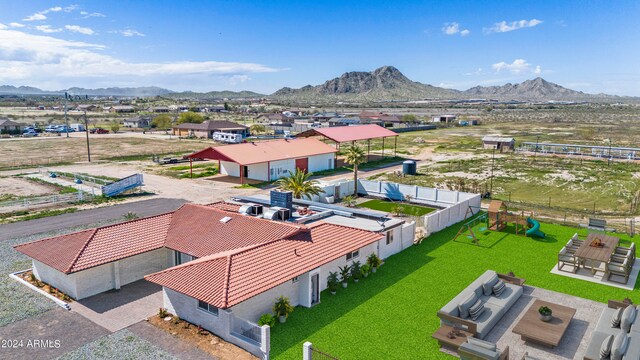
[{"x": 225, "y": 219}]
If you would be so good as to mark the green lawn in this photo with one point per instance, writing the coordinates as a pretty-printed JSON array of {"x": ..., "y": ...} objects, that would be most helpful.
[
  {"x": 389, "y": 206},
  {"x": 392, "y": 314}
]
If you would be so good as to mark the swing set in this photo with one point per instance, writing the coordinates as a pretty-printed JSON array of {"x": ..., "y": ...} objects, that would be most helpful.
[{"x": 467, "y": 227}]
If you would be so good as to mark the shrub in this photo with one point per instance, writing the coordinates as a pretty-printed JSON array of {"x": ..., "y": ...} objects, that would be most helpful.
[
  {"x": 355, "y": 270},
  {"x": 345, "y": 273},
  {"x": 162, "y": 313},
  {"x": 332, "y": 281},
  {"x": 373, "y": 260},
  {"x": 267, "y": 319},
  {"x": 282, "y": 307}
]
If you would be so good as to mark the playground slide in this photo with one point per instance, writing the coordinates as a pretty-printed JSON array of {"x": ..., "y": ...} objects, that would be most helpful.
[{"x": 535, "y": 228}]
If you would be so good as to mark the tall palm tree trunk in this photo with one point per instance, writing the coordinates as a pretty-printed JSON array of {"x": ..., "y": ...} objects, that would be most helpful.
[{"x": 355, "y": 180}]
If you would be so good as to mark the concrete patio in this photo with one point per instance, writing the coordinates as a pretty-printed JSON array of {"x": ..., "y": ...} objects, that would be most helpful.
[
  {"x": 574, "y": 342},
  {"x": 117, "y": 309}
]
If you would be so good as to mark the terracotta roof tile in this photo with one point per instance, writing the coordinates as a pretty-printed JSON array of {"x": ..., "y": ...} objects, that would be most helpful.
[
  {"x": 226, "y": 206},
  {"x": 197, "y": 230},
  {"x": 89, "y": 248},
  {"x": 262, "y": 267}
]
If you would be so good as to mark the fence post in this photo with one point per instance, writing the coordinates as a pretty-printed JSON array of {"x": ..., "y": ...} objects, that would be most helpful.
[
  {"x": 306, "y": 351},
  {"x": 265, "y": 341}
]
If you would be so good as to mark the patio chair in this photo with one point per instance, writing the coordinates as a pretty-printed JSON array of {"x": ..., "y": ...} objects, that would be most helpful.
[
  {"x": 572, "y": 245},
  {"x": 620, "y": 269},
  {"x": 567, "y": 257},
  {"x": 576, "y": 239},
  {"x": 476, "y": 349},
  {"x": 624, "y": 251}
]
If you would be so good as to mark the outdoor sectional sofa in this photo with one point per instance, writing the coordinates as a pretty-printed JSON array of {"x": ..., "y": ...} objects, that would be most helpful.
[
  {"x": 495, "y": 306},
  {"x": 626, "y": 337}
]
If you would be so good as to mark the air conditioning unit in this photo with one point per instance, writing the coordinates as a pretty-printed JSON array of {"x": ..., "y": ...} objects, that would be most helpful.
[
  {"x": 256, "y": 210},
  {"x": 250, "y": 209},
  {"x": 285, "y": 214},
  {"x": 277, "y": 213}
]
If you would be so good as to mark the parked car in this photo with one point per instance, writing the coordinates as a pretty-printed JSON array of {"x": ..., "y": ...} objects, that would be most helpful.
[
  {"x": 29, "y": 133},
  {"x": 168, "y": 160},
  {"x": 51, "y": 128},
  {"x": 98, "y": 131}
]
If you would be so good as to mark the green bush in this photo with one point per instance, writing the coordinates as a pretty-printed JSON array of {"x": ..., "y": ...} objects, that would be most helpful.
[{"x": 267, "y": 319}]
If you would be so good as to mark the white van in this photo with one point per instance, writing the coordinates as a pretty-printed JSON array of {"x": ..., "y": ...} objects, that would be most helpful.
[
  {"x": 227, "y": 137},
  {"x": 77, "y": 127}
]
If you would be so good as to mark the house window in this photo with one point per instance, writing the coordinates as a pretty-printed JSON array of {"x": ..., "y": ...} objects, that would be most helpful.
[
  {"x": 389, "y": 237},
  {"x": 295, "y": 280},
  {"x": 208, "y": 307},
  {"x": 353, "y": 255}
]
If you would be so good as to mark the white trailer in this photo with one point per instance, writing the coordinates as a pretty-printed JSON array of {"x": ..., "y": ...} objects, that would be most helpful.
[
  {"x": 227, "y": 137},
  {"x": 77, "y": 127}
]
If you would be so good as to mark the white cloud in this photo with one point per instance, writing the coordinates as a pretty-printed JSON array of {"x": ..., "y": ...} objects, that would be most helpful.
[
  {"x": 51, "y": 62},
  {"x": 2, "y": 26},
  {"x": 47, "y": 29},
  {"x": 453, "y": 28},
  {"x": 16, "y": 25},
  {"x": 503, "y": 26},
  {"x": 477, "y": 72},
  {"x": 35, "y": 17},
  {"x": 238, "y": 79},
  {"x": 128, "y": 32},
  {"x": 40, "y": 15},
  {"x": 517, "y": 67},
  {"x": 79, "y": 29},
  {"x": 86, "y": 15}
]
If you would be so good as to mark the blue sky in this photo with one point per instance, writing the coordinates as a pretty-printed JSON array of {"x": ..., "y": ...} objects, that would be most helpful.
[{"x": 591, "y": 46}]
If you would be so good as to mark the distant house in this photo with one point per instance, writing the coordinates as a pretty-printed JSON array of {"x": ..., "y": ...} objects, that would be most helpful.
[
  {"x": 444, "y": 119},
  {"x": 122, "y": 109},
  {"x": 274, "y": 119},
  {"x": 344, "y": 121},
  {"x": 9, "y": 127},
  {"x": 324, "y": 116},
  {"x": 207, "y": 128},
  {"x": 88, "y": 107},
  {"x": 499, "y": 143},
  {"x": 160, "y": 109},
  {"x": 137, "y": 122}
]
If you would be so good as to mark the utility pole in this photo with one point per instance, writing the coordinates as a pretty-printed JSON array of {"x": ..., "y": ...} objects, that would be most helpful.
[
  {"x": 535, "y": 154},
  {"x": 86, "y": 130},
  {"x": 66, "y": 120}
]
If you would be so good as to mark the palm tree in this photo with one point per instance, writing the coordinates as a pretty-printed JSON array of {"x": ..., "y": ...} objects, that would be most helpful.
[
  {"x": 300, "y": 185},
  {"x": 355, "y": 156}
]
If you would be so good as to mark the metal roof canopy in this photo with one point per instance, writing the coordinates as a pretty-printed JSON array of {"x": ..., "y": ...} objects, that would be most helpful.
[{"x": 342, "y": 134}]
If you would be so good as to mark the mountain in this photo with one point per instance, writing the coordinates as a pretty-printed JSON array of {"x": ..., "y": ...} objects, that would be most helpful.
[
  {"x": 385, "y": 83},
  {"x": 111, "y": 91},
  {"x": 537, "y": 89}
]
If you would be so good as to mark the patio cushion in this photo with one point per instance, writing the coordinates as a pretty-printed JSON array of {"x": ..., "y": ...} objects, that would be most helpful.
[
  {"x": 627, "y": 319},
  {"x": 466, "y": 304},
  {"x": 509, "y": 296},
  {"x": 481, "y": 343},
  {"x": 476, "y": 352},
  {"x": 633, "y": 350},
  {"x": 615, "y": 319},
  {"x": 619, "y": 346},
  {"x": 605, "y": 348},
  {"x": 498, "y": 288},
  {"x": 593, "y": 347},
  {"x": 487, "y": 287},
  {"x": 476, "y": 310},
  {"x": 488, "y": 319}
]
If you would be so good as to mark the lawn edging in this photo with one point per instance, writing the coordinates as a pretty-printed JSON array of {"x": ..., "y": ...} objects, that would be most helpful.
[{"x": 17, "y": 278}]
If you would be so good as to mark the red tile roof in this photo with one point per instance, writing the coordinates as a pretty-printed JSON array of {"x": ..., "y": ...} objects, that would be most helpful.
[
  {"x": 227, "y": 279},
  {"x": 350, "y": 133},
  {"x": 263, "y": 151},
  {"x": 226, "y": 206},
  {"x": 197, "y": 230},
  {"x": 85, "y": 249}
]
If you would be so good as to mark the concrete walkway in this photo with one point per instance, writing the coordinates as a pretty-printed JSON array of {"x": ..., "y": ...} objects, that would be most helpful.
[{"x": 117, "y": 309}]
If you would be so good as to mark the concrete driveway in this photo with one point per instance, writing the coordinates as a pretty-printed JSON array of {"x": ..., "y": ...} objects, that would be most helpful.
[{"x": 117, "y": 309}]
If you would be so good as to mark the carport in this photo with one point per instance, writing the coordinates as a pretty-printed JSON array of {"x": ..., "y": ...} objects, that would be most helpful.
[{"x": 351, "y": 134}]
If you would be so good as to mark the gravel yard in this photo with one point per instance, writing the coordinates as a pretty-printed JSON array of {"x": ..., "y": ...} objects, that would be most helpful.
[
  {"x": 17, "y": 302},
  {"x": 119, "y": 345}
]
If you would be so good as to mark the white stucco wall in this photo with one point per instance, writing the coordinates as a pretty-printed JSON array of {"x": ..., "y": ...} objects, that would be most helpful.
[
  {"x": 136, "y": 267},
  {"x": 258, "y": 172},
  {"x": 95, "y": 280},
  {"x": 396, "y": 246},
  {"x": 229, "y": 168},
  {"x": 254, "y": 307},
  {"x": 281, "y": 168},
  {"x": 65, "y": 282},
  {"x": 321, "y": 162}
]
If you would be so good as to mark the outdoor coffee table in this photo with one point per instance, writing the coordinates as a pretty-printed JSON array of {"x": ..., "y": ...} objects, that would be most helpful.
[
  {"x": 586, "y": 252},
  {"x": 446, "y": 342},
  {"x": 532, "y": 329}
]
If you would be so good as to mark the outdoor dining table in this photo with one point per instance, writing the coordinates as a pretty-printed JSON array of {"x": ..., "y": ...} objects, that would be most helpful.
[{"x": 602, "y": 254}]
